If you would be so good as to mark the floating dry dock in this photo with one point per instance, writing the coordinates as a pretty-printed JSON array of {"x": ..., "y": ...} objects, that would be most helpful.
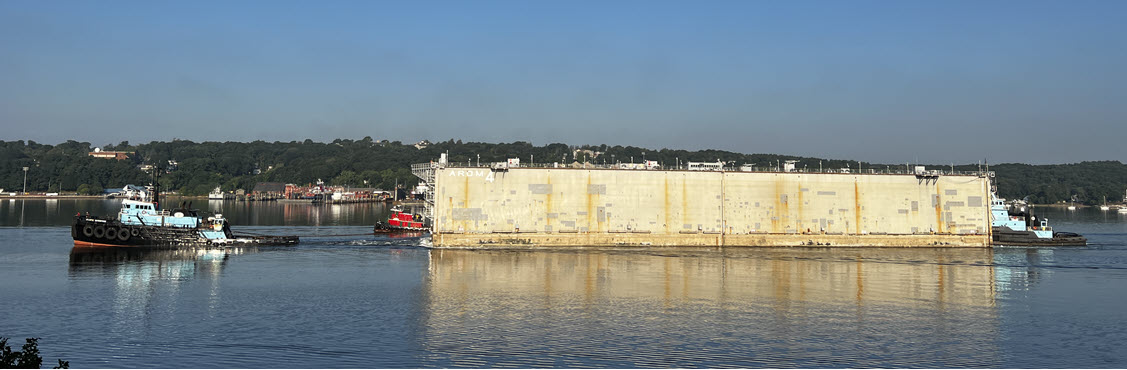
[{"x": 526, "y": 207}]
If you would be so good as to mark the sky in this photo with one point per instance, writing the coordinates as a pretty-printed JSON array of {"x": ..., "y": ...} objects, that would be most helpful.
[{"x": 879, "y": 81}]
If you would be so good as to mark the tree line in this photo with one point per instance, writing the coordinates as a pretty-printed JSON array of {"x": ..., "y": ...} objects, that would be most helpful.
[{"x": 201, "y": 166}]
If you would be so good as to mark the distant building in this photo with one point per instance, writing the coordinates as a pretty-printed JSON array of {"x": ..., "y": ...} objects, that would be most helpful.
[
  {"x": 292, "y": 191},
  {"x": 273, "y": 188},
  {"x": 705, "y": 166},
  {"x": 422, "y": 144},
  {"x": 98, "y": 153}
]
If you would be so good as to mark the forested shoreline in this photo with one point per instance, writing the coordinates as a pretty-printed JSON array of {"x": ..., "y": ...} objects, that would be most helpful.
[{"x": 198, "y": 167}]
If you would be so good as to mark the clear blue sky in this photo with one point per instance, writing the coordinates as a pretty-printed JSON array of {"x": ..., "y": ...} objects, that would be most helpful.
[{"x": 882, "y": 81}]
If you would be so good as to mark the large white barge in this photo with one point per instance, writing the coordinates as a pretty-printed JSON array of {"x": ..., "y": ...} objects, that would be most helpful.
[{"x": 507, "y": 205}]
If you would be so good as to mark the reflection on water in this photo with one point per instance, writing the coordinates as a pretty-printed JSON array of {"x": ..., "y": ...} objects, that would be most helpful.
[
  {"x": 1020, "y": 268},
  {"x": 146, "y": 264},
  {"x": 289, "y": 213},
  {"x": 739, "y": 307},
  {"x": 141, "y": 277},
  {"x": 347, "y": 298},
  {"x": 59, "y": 212}
]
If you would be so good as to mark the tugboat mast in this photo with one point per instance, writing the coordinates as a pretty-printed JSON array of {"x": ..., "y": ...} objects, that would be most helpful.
[{"x": 156, "y": 187}]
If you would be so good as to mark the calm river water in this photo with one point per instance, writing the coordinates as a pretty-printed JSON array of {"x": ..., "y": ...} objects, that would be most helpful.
[{"x": 386, "y": 302}]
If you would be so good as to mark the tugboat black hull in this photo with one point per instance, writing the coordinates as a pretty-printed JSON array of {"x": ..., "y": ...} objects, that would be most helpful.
[
  {"x": 99, "y": 232},
  {"x": 384, "y": 228},
  {"x": 1010, "y": 237},
  {"x": 96, "y": 231}
]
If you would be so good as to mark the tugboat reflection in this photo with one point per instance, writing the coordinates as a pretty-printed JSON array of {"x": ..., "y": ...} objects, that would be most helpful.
[
  {"x": 138, "y": 279},
  {"x": 1019, "y": 269},
  {"x": 151, "y": 263}
]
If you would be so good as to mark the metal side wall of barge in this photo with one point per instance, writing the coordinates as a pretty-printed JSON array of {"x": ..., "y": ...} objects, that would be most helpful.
[{"x": 539, "y": 207}]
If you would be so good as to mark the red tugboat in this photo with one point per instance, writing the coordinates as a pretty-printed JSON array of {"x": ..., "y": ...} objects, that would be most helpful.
[{"x": 402, "y": 220}]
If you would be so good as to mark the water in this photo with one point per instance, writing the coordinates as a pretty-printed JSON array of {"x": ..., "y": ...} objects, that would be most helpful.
[{"x": 386, "y": 302}]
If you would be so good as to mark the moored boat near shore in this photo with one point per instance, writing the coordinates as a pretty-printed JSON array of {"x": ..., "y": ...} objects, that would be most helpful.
[{"x": 218, "y": 194}]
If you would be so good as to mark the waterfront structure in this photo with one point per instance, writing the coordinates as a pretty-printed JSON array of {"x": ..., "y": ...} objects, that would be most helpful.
[{"x": 526, "y": 207}]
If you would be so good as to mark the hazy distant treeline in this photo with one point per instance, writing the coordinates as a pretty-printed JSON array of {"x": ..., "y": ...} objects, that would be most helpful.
[
  {"x": 381, "y": 164},
  {"x": 1087, "y": 182}
]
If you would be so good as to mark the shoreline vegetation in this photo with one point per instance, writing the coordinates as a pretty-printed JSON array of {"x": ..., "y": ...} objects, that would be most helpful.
[
  {"x": 193, "y": 169},
  {"x": 197, "y": 197},
  {"x": 26, "y": 358}
]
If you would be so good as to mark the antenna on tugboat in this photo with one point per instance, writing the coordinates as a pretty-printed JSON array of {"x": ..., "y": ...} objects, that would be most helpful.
[{"x": 156, "y": 187}]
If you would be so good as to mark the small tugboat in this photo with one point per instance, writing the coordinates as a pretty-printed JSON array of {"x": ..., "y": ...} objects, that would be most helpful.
[
  {"x": 402, "y": 220},
  {"x": 1011, "y": 226},
  {"x": 141, "y": 222}
]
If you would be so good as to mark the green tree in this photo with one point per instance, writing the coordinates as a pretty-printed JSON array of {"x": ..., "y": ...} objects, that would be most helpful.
[{"x": 27, "y": 358}]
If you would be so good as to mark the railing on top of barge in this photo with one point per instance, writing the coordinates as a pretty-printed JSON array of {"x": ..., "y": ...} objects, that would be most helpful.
[{"x": 421, "y": 169}]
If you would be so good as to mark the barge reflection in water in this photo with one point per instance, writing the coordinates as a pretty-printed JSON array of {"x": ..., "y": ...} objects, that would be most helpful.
[{"x": 737, "y": 307}]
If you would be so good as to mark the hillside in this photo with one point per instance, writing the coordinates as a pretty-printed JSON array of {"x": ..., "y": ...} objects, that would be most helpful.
[{"x": 199, "y": 167}]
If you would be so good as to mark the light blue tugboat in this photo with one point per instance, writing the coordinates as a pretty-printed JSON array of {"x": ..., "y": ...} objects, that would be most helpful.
[
  {"x": 1017, "y": 226},
  {"x": 141, "y": 222}
]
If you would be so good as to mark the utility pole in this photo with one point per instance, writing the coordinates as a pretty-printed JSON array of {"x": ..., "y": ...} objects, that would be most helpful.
[{"x": 25, "y": 180}]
